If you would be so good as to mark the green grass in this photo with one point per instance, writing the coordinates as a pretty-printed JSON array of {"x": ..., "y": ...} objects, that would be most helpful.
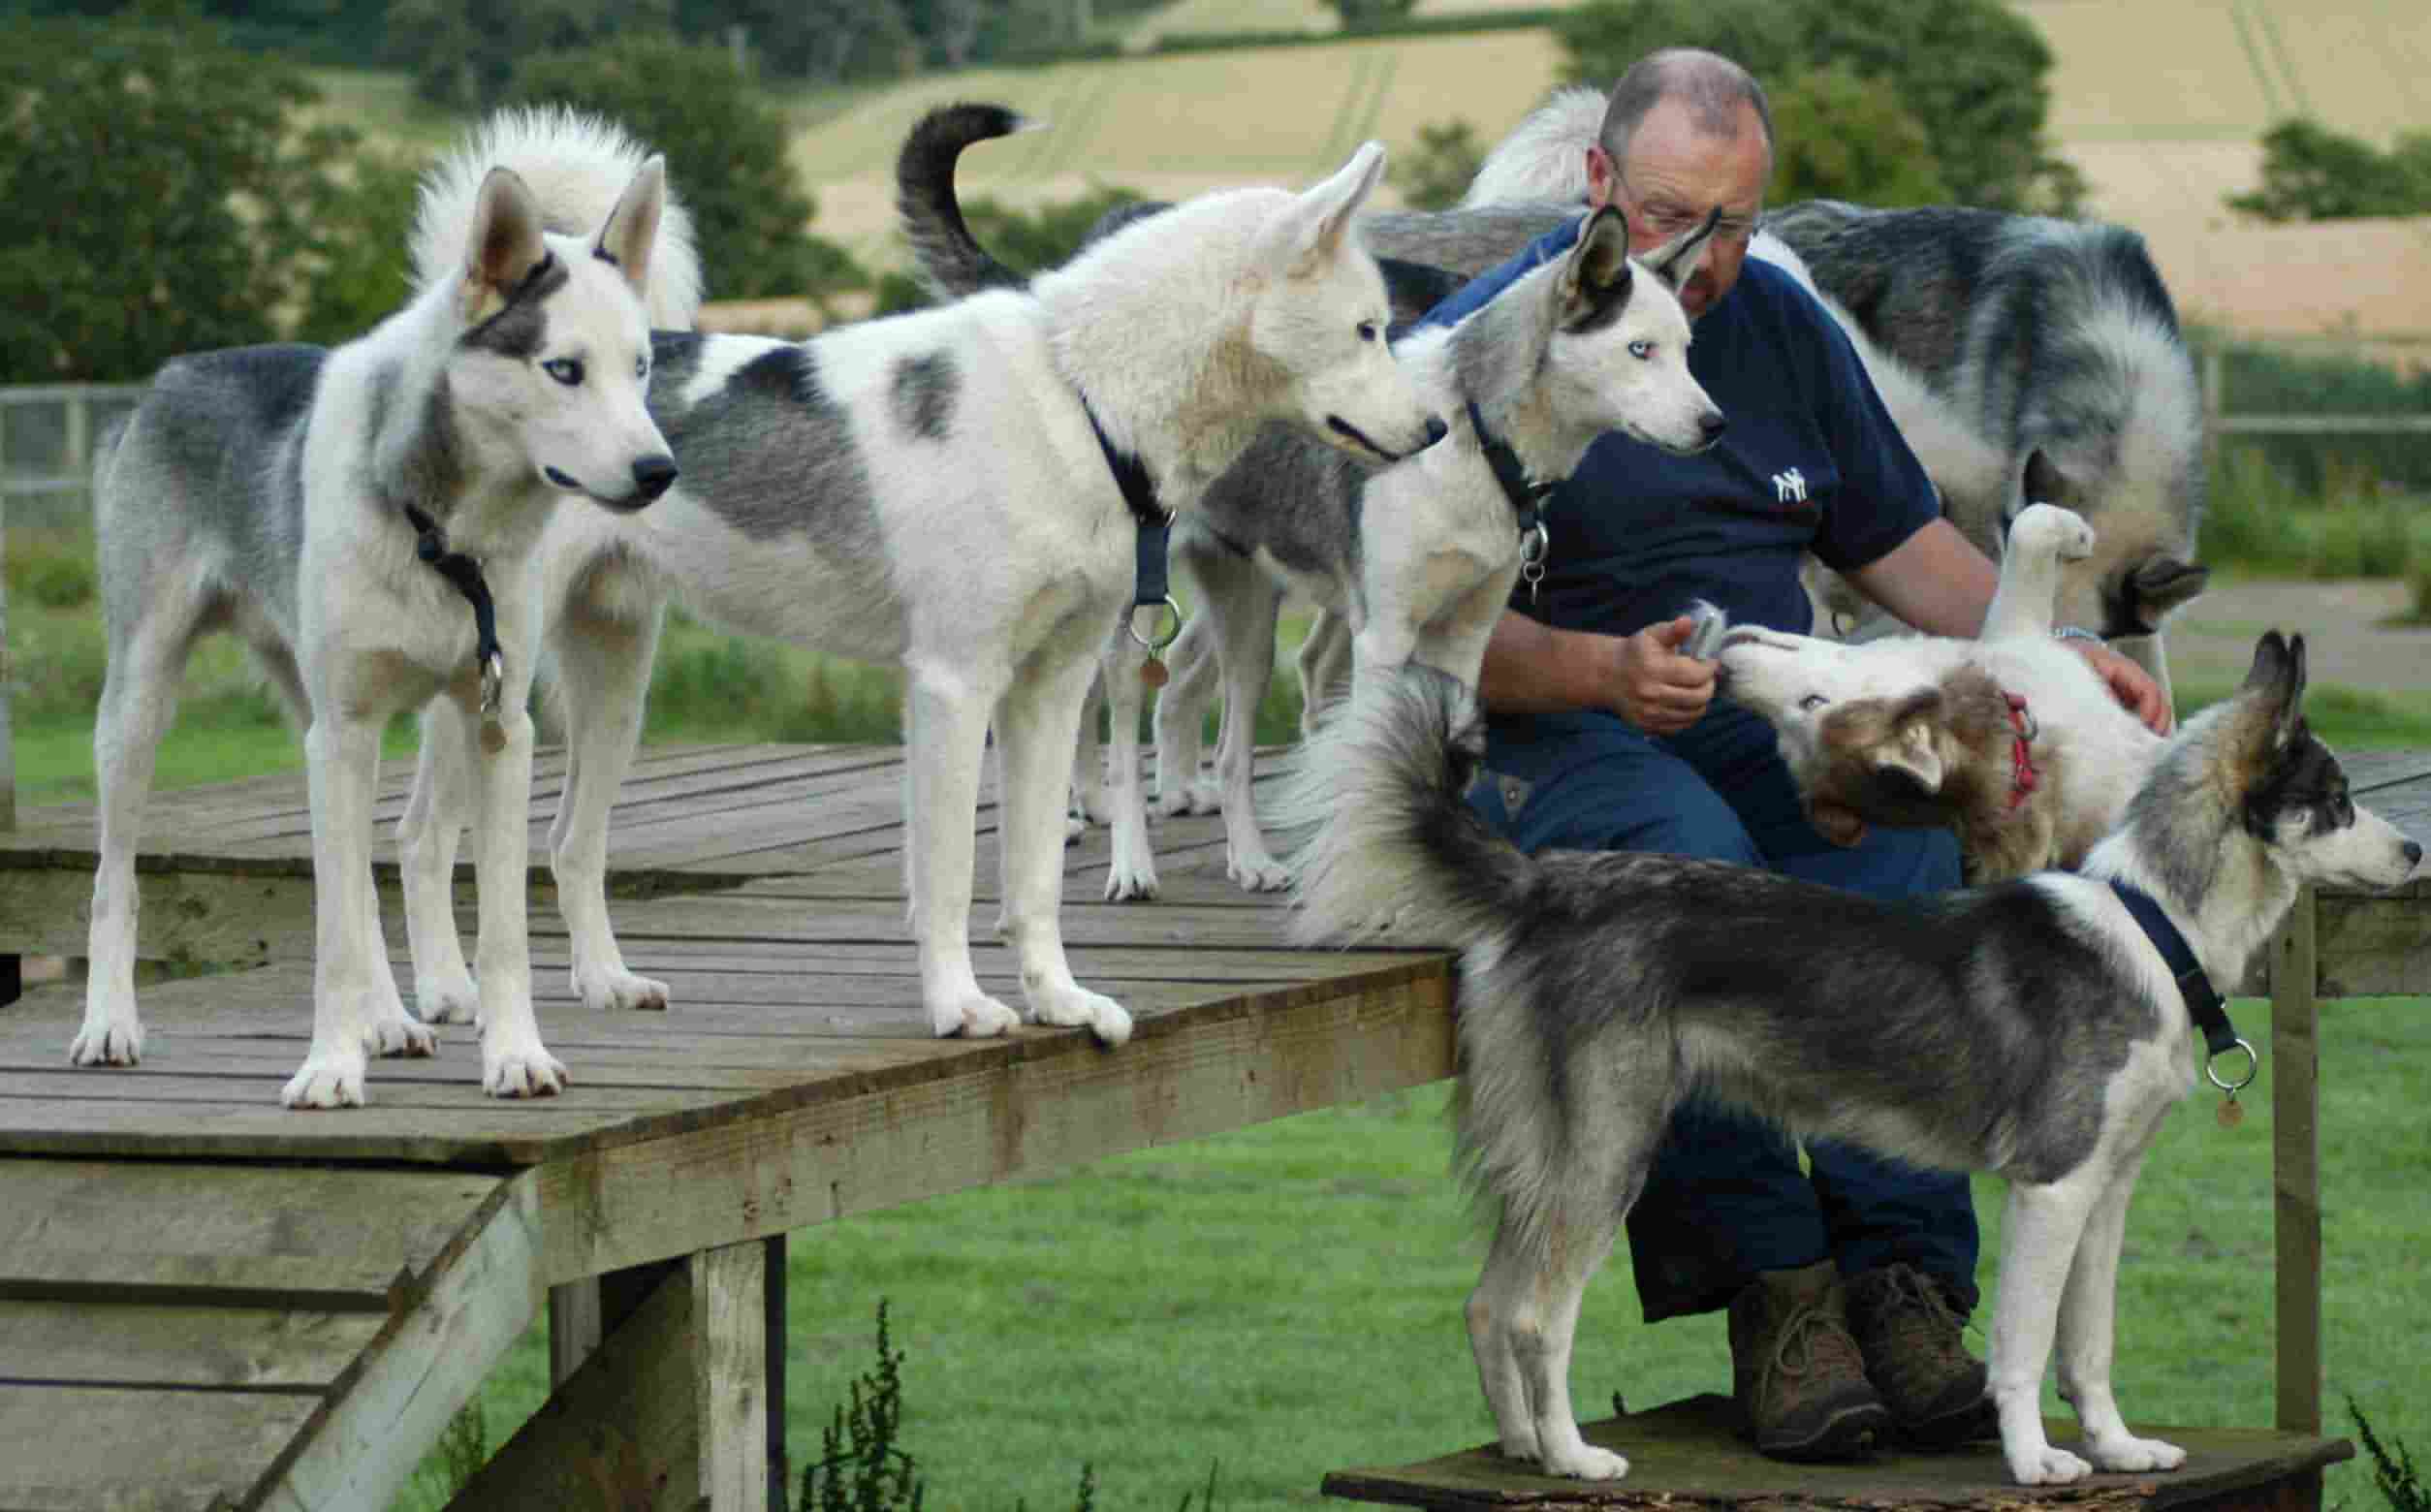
[
  {"x": 1286, "y": 1300},
  {"x": 2259, "y": 523}
]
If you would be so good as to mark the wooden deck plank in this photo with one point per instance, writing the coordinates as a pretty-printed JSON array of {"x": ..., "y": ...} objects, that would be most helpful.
[
  {"x": 142, "y": 1347},
  {"x": 250, "y": 1234},
  {"x": 140, "y": 1451}
]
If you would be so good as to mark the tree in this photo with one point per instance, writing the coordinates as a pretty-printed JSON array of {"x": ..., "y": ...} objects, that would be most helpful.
[
  {"x": 1436, "y": 172},
  {"x": 161, "y": 189},
  {"x": 726, "y": 158},
  {"x": 358, "y": 271},
  {"x": 2311, "y": 172},
  {"x": 1841, "y": 138},
  {"x": 462, "y": 52},
  {"x": 1972, "y": 72}
]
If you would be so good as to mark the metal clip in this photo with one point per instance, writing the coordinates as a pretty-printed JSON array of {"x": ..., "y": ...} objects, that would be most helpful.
[
  {"x": 1155, "y": 645},
  {"x": 1536, "y": 543},
  {"x": 2252, "y": 1065}
]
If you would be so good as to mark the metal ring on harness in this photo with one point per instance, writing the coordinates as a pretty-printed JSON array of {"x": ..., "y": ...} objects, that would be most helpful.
[
  {"x": 1131, "y": 624},
  {"x": 2253, "y": 1063}
]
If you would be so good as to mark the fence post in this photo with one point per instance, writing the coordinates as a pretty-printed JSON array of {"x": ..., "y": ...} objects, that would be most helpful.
[{"x": 8, "y": 670}]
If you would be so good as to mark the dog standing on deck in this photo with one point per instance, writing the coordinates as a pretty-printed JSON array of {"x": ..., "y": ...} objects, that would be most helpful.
[
  {"x": 2037, "y": 1028},
  {"x": 939, "y": 491},
  {"x": 336, "y": 509}
]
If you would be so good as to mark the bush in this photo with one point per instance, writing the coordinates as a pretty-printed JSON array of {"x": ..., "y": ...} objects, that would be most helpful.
[
  {"x": 2311, "y": 172},
  {"x": 1434, "y": 175},
  {"x": 1972, "y": 72},
  {"x": 2257, "y": 379},
  {"x": 726, "y": 159},
  {"x": 1839, "y": 137},
  {"x": 162, "y": 193}
]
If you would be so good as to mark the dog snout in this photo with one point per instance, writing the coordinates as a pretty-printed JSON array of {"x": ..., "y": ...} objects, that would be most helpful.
[
  {"x": 2413, "y": 853},
  {"x": 1436, "y": 429},
  {"x": 653, "y": 475},
  {"x": 1711, "y": 424}
]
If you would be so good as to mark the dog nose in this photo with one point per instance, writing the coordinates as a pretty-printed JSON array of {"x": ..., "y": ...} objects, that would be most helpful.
[
  {"x": 1436, "y": 429},
  {"x": 651, "y": 475},
  {"x": 1713, "y": 423},
  {"x": 2413, "y": 854}
]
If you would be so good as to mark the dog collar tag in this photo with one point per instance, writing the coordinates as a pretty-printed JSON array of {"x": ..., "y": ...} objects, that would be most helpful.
[{"x": 2231, "y": 1112}]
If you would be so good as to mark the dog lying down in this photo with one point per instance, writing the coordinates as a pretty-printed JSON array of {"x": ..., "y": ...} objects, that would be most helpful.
[
  {"x": 2011, "y": 740},
  {"x": 2035, "y": 1028}
]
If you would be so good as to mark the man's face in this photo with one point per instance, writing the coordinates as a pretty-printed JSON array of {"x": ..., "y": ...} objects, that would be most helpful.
[{"x": 1676, "y": 176}]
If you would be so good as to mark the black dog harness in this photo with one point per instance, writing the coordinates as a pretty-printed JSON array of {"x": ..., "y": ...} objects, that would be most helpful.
[
  {"x": 2203, "y": 1002},
  {"x": 1151, "y": 589},
  {"x": 1526, "y": 498},
  {"x": 463, "y": 574}
]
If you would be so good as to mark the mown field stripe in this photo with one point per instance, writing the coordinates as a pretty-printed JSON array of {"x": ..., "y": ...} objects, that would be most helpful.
[{"x": 2242, "y": 20}]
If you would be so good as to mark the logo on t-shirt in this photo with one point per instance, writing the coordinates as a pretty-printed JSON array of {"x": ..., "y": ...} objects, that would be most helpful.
[{"x": 1789, "y": 488}]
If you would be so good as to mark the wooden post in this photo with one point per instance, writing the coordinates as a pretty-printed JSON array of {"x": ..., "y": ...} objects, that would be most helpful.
[
  {"x": 7, "y": 741},
  {"x": 575, "y": 1327},
  {"x": 773, "y": 1317},
  {"x": 2296, "y": 1169},
  {"x": 668, "y": 1412}
]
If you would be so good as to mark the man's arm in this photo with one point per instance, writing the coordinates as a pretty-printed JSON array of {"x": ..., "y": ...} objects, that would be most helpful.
[
  {"x": 1532, "y": 668},
  {"x": 1937, "y": 581}
]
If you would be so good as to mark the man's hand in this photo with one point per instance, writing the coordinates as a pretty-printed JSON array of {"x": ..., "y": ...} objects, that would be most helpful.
[
  {"x": 2130, "y": 684},
  {"x": 1655, "y": 688}
]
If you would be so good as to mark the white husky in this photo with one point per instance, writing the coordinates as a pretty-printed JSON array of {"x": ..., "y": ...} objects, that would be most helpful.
[
  {"x": 930, "y": 491},
  {"x": 337, "y": 509}
]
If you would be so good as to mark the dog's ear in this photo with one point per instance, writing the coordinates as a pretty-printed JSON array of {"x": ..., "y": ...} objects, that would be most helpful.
[
  {"x": 1596, "y": 277},
  {"x": 1677, "y": 260},
  {"x": 2161, "y": 584},
  {"x": 1836, "y": 823},
  {"x": 631, "y": 229},
  {"x": 504, "y": 247},
  {"x": 2046, "y": 482},
  {"x": 1909, "y": 750},
  {"x": 1313, "y": 229},
  {"x": 2275, "y": 683}
]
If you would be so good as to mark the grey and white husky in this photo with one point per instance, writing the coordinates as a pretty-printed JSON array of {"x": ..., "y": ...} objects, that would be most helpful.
[
  {"x": 2025, "y": 359},
  {"x": 930, "y": 490},
  {"x": 1415, "y": 561},
  {"x": 2033, "y": 1028},
  {"x": 287, "y": 493}
]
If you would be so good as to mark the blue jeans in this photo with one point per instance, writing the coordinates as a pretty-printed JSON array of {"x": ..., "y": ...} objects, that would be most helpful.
[{"x": 1726, "y": 1197}]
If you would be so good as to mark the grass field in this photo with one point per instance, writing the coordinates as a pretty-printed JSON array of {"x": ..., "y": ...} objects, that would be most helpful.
[{"x": 1285, "y": 1301}]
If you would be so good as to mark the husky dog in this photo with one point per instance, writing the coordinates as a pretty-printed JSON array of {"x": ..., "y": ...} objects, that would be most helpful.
[
  {"x": 932, "y": 490},
  {"x": 1416, "y": 561},
  {"x": 284, "y": 492},
  {"x": 2011, "y": 739},
  {"x": 2033, "y": 1028},
  {"x": 2024, "y": 359}
]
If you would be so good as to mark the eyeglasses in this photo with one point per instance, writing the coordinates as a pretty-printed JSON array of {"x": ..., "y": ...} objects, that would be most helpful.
[{"x": 1667, "y": 219}]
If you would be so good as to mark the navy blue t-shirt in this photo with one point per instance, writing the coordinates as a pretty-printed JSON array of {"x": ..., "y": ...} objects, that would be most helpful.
[{"x": 1811, "y": 461}]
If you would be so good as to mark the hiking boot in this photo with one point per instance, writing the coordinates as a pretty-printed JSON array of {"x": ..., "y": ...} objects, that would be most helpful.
[
  {"x": 1796, "y": 1373},
  {"x": 1908, "y": 1332}
]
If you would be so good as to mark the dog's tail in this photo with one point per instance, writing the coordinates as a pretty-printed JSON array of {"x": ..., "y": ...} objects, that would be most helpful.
[
  {"x": 1544, "y": 158},
  {"x": 951, "y": 261},
  {"x": 1395, "y": 846},
  {"x": 576, "y": 166}
]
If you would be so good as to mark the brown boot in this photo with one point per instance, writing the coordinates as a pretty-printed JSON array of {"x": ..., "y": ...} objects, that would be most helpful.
[
  {"x": 1908, "y": 1333},
  {"x": 1797, "y": 1374}
]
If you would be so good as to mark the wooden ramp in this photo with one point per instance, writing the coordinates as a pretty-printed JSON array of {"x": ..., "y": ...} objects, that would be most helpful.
[{"x": 1686, "y": 1455}]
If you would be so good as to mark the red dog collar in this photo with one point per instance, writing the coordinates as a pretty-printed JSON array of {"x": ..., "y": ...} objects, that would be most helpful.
[{"x": 2023, "y": 776}]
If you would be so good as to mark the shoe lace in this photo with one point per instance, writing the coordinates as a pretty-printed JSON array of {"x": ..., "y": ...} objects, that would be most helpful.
[
  {"x": 1915, "y": 1311},
  {"x": 1811, "y": 1340}
]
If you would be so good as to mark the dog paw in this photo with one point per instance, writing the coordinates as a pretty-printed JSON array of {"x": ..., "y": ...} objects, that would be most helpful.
[
  {"x": 108, "y": 1041},
  {"x": 522, "y": 1071},
  {"x": 620, "y": 992},
  {"x": 1588, "y": 1462},
  {"x": 973, "y": 1018},
  {"x": 448, "y": 998},
  {"x": 331, "y": 1079},
  {"x": 1077, "y": 1006},
  {"x": 2041, "y": 1464},
  {"x": 1093, "y": 805},
  {"x": 2127, "y": 1453},
  {"x": 1258, "y": 874},
  {"x": 395, "y": 1034},
  {"x": 1134, "y": 882}
]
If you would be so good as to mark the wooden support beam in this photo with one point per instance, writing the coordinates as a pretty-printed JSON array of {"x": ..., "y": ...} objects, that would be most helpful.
[
  {"x": 2296, "y": 1168},
  {"x": 575, "y": 1327},
  {"x": 668, "y": 1414}
]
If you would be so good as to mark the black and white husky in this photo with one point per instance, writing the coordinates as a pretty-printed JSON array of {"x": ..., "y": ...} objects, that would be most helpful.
[
  {"x": 2035, "y": 1027},
  {"x": 934, "y": 491},
  {"x": 315, "y": 503}
]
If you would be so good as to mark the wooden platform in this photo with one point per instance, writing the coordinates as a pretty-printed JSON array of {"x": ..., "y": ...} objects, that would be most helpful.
[
  {"x": 1686, "y": 1455},
  {"x": 285, "y": 1308}
]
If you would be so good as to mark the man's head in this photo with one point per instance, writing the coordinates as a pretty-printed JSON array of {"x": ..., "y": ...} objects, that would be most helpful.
[{"x": 1685, "y": 132}]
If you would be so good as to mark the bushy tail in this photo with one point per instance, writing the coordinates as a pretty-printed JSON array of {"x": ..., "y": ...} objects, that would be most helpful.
[
  {"x": 1544, "y": 158},
  {"x": 951, "y": 261},
  {"x": 576, "y": 166},
  {"x": 1395, "y": 846}
]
